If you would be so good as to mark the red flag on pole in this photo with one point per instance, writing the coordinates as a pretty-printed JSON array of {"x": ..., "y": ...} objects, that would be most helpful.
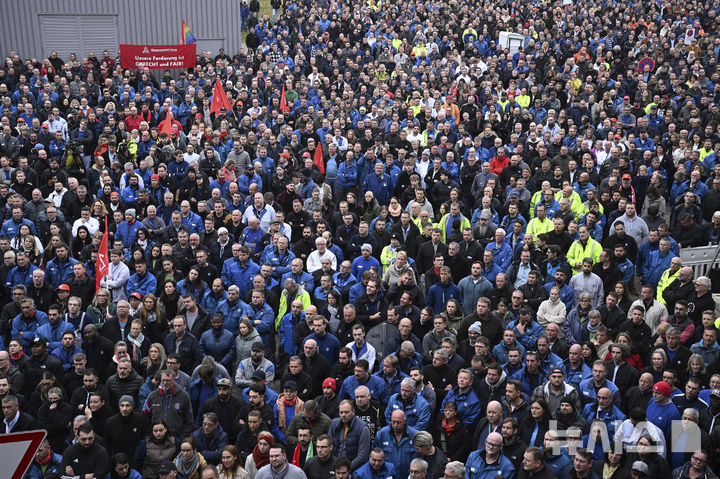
[
  {"x": 219, "y": 99},
  {"x": 102, "y": 265},
  {"x": 283, "y": 102},
  {"x": 318, "y": 159},
  {"x": 166, "y": 125}
]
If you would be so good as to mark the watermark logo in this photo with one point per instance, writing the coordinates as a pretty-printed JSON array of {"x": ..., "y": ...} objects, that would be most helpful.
[{"x": 625, "y": 437}]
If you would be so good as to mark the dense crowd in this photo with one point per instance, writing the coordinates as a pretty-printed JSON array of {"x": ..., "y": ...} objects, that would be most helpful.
[{"x": 403, "y": 252}]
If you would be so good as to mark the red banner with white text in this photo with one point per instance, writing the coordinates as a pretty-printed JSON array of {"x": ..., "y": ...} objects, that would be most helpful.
[{"x": 157, "y": 56}]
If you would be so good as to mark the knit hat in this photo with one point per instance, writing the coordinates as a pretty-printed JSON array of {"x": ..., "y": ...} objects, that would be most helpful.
[
  {"x": 330, "y": 383},
  {"x": 267, "y": 436},
  {"x": 475, "y": 327},
  {"x": 130, "y": 211},
  {"x": 663, "y": 388},
  {"x": 126, "y": 398}
]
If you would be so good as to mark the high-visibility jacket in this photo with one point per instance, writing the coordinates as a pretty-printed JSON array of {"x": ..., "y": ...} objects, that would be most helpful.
[
  {"x": 667, "y": 277},
  {"x": 576, "y": 253},
  {"x": 536, "y": 227}
]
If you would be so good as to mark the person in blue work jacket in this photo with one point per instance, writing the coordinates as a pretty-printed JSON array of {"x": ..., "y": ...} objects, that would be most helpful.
[
  {"x": 468, "y": 404},
  {"x": 54, "y": 329},
  {"x": 60, "y": 269},
  {"x": 491, "y": 462},
  {"x": 141, "y": 282},
  {"x": 379, "y": 183},
  {"x": 376, "y": 467},
  {"x": 396, "y": 441},
  {"x": 415, "y": 407},
  {"x": 362, "y": 377},
  {"x": 391, "y": 377}
]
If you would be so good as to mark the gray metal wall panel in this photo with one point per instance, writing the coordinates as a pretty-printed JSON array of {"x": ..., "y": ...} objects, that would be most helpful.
[{"x": 139, "y": 21}]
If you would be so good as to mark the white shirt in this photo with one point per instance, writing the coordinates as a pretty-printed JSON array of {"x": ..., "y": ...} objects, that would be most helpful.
[
  {"x": 315, "y": 258},
  {"x": 92, "y": 224}
]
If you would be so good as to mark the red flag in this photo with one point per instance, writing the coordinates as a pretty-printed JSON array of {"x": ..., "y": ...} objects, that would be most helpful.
[
  {"x": 102, "y": 265},
  {"x": 318, "y": 159},
  {"x": 219, "y": 99},
  {"x": 283, "y": 101},
  {"x": 166, "y": 125}
]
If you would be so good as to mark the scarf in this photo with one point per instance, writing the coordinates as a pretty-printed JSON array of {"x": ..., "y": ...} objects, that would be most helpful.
[
  {"x": 449, "y": 427},
  {"x": 45, "y": 460},
  {"x": 298, "y": 450},
  {"x": 16, "y": 357},
  {"x": 136, "y": 342},
  {"x": 187, "y": 467},
  {"x": 260, "y": 458},
  {"x": 289, "y": 403}
]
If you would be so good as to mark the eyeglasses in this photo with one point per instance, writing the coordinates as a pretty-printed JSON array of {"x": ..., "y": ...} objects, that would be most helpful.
[
  {"x": 697, "y": 459},
  {"x": 492, "y": 444}
]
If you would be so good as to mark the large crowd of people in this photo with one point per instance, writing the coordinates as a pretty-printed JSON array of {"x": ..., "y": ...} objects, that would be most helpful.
[{"x": 404, "y": 251}]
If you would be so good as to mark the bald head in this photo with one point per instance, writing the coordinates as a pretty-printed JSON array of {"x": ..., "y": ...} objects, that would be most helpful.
[{"x": 495, "y": 406}]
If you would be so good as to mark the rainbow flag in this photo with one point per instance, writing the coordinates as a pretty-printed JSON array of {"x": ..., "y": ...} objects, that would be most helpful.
[{"x": 187, "y": 36}]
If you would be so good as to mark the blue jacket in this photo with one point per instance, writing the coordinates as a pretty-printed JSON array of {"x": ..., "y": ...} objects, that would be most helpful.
[
  {"x": 27, "y": 328},
  {"x": 477, "y": 468},
  {"x": 194, "y": 392},
  {"x": 244, "y": 182},
  {"x": 211, "y": 447},
  {"x": 145, "y": 285},
  {"x": 500, "y": 351},
  {"x": 232, "y": 313},
  {"x": 193, "y": 222},
  {"x": 266, "y": 317},
  {"x": 210, "y": 302},
  {"x": 329, "y": 346},
  {"x": 417, "y": 412},
  {"x": 529, "y": 384},
  {"x": 392, "y": 386},
  {"x": 588, "y": 390},
  {"x": 57, "y": 273},
  {"x": 360, "y": 265},
  {"x": 367, "y": 472},
  {"x": 54, "y": 333},
  {"x": 590, "y": 413},
  {"x": 439, "y": 294},
  {"x": 11, "y": 228},
  {"x": 220, "y": 345},
  {"x": 471, "y": 291},
  {"x": 468, "y": 405},
  {"x": 380, "y": 187},
  {"x": 128, "y": 232},
  {"x": 503, "y": 255},
  {"x": 575, "y": 377},
  {"x": 241, "y": 276},
  {"x": 305, "y": 280},
  {"x": 129, "y": 196},
  {"x": 355, "y": 445},
  {"x": 374, "y": 384},
  {"x": 281, "y": 263},
  {"x": 656, "y": 264},
  {"x": 397, "y": 453},
  {"x": 287, "y": 330},
  {"x": 35, "y": 472},
  {"x": 16, "y": 276},
  {"x": 66, "y": 357},
  {"x": 532, "y": 332},
  {"x": 347, "y": 175}
]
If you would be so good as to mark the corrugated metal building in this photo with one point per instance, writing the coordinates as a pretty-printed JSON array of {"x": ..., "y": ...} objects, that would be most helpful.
[{"x": 37, "y": 27}]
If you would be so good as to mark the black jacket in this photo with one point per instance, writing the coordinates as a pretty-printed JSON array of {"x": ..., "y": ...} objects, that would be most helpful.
[
  {"x": 57, "y": 424},
  {"x": 124, "y": 433},
  {"x": 112, "y": 331}
]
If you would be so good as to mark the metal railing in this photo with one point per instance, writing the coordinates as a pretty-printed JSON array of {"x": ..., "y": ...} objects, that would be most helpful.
[{"x": 701, "y": 259}]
